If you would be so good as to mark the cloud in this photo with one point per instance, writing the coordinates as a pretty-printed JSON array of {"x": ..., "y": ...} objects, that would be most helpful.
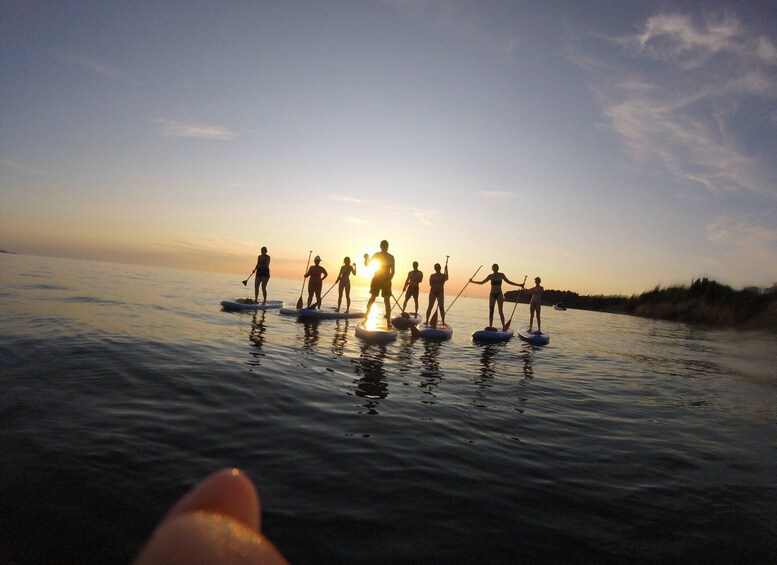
[
  {"x": 172, "y": 128},
  {"x": 22, "y": 168},
  {"x": 747, "y": 243},
  {"x": 496, "y": 194},
  {"x": 426, "y": 217},
  {"x": 342, "y": 198},
  {"x": 688, "y": 96},
  {"x": 208, "y": 245},
  {"x": 85, "y": 62}
]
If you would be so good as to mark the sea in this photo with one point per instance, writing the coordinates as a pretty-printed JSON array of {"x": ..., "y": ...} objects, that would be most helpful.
[{"x": 624, "y": 440}]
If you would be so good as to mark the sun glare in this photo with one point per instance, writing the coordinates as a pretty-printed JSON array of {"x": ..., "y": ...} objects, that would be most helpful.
[{"x": 368, "y": 271}]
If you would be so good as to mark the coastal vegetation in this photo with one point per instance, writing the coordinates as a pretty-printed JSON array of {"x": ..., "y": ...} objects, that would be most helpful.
[{"x": 705, "y": 302}]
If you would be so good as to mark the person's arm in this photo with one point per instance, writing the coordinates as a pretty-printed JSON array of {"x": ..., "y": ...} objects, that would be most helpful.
[
  {"x": 307, "y": 274},
  {"x": 323, "y": 270},
  {"x": 446, "y": 271},
  {"x": 484, "y": 281},
  {"x": 391, "y": 268},
  {"x": 508, "y": 281},
  {"x": 353, "y": 268}
]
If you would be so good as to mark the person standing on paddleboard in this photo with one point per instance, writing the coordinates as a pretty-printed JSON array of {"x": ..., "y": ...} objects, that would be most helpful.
[
  {"x": 535, "y": 305},
  {"x": 496, "y": 296},
  {"x": 344, "y": 278},
  {"x": 262, "y": 270},
  {"x": 317, "y": 274},
  {"x": 381, "y": 281},
  {"x": 412, "y": 283},
  {"x": 437, "y": 291}
]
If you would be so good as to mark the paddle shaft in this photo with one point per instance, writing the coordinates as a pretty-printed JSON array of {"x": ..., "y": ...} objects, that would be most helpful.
[
  {"x": 507, "y": 325},
  {"x": 245, "y": 282},
  {"x": 318, "y": 304},
  {"x": 299, "y": 302},
  {"x": 462, "y": 290}
]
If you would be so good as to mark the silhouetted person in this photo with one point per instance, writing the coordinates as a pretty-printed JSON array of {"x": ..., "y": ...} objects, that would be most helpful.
[
  {"x": 317, "y": 274},
  {"x": 344, "y": 278},
  {"x": 412, "y": 283},
  {"x": 381, "y": 281},
  {"x": 535, "y": 305},
  {"x": 496, "y": 296},
  {"x": 437, "y": 291}
]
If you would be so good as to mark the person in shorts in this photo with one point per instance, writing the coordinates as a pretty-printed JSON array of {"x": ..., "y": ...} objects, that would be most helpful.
[{"x": 381, "y": 280}]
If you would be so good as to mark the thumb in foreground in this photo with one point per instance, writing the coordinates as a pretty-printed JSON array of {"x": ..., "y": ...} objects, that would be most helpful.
[{"x": 216, "y": 522}]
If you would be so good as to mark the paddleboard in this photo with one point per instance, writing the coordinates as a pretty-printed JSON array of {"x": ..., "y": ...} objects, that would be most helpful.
[
  {"x": 441, "y": 331},
  {"x": 288, "y": 311},
  {"x": 375, "y": 334},
  {"x": 531, "y": 337},
  {"x": 404, "y": 322},
  {"x": 492, "y": 335},
  {"x": 327, "y": 314},
  {"x": 235, "y": 306}
]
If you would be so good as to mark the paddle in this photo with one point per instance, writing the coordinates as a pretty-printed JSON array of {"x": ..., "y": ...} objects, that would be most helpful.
[
  {"x": 507, "y": 325},
  {"x": 318, "y": 304},
  {"x": 299, "y": 302},
  {"x": 462, "y": 290},
  {"x": 245, "y": 282}
]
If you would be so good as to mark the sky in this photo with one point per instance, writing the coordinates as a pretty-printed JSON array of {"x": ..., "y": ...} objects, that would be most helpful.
[{"x": 607, "y": 147}]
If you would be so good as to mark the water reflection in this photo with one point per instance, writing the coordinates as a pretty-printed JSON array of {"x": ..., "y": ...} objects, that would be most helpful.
[
  {"x": 340, "y": 338},
  {"x": 310, "y": 332},
  {"x": 487, "y": 363},
  {"x": 372, "y": 384},
  {"x": 430, "y": 369},
  {"x": 256, "y": 337}
]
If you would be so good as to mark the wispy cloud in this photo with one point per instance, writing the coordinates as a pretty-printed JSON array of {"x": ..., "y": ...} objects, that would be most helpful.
[
  {"x": 685, "y": 95},
  {"x": 495, "y": 194},
  {"x": 172, "y": 128},
  {"x": 464, "y": 20},
  {"x": 343, "y": 198},
  {"x": 91, "y": 64},
  {"x": 22, "y": 168},
  {"x": 207, "y": 245},
  {"x": 426, "y": 217},
  {"x": 746, "y": 242}
]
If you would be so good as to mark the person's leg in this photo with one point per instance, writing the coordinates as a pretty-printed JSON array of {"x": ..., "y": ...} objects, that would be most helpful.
[
  {"x": 539, "y": 322},
  {"x": 311, "y": 291},
  {"x": 441, "y": 305},
  {"x": 491, "y": 301},
  {"x": 264, "y": 289},
  {"x": 500, "y": 301},
  {"x": 256, "y": 290},
  {"x": 531, "y": 315},
  {"x": 429, "y": 308},
  {"x": 339, "y": 297},
  {"x": 348, "y": 297}
]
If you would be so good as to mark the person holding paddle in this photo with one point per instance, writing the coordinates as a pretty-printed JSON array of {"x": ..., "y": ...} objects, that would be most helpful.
[
  {"x": 262, "y": 271},
  {"x": 437, "y": 291},
  {"x": 535, "y": 305},
  {"x": 381, "y": 280},
  {"x": 317, "y": 274},
  {"x": 344, "y": 278},
  {"x": 412, "y": 283},
  {"x": 496, "y": 296}
]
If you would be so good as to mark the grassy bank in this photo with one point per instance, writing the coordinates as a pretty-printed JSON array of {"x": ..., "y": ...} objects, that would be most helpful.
[{"x": 704, "y": 302}]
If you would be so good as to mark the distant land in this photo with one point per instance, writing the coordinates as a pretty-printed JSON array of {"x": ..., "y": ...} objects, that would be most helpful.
[
  {"x": 705, "y": 302},
  {"x": 4, "y": 251}
]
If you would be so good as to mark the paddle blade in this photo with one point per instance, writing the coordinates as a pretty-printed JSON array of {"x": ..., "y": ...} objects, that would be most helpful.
[
  {"x": 414, "y": 331},
  {"x": 299, "y": 302},
  {"x": 507, "y": 326},
  {"x": 245, "y": 282},
  {"x": 433, "y": 321}
]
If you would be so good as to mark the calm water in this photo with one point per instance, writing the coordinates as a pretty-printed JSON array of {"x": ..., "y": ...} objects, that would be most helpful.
[{"x": 623, "y": 440}]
